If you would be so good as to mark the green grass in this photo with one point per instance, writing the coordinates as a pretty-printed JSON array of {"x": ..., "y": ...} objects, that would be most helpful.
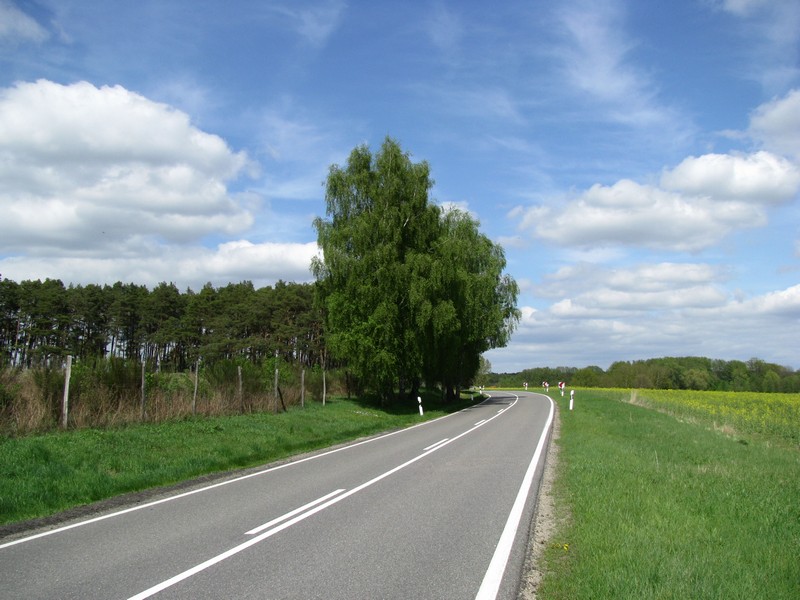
[
  {"x": 44, "y": 474},
  {"x": 657, "y": 508}
]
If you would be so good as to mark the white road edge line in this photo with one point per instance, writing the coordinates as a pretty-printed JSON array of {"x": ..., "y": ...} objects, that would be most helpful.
[
  {"x": 494, "y": 574},
  {"x": 293, "y": 513},
  {"x": 235, "y": 550},
  {"x": 480, "y": 422},
  {"x": 210, "y": 487}
]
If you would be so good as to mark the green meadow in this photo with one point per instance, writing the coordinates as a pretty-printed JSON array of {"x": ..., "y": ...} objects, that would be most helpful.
[{"x": 670, "y": 500}]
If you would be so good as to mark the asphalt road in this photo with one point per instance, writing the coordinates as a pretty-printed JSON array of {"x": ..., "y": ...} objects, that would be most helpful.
[{"x": 441, "y": 510}]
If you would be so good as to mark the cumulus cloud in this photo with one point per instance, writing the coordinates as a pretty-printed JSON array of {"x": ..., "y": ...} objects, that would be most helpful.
[
  {"x": 588, "y": 290},
  {"x": 639, "y": 310},
  {"x": 631, "y": 214},
  {"x": 82, "y": 166},
  {"x": 695, "y": 204},
  {"x": 697, "y": 319},
  {"x": 776, "y": 125},
  {"x": 243, "y": 259},
  {"x": 192, "y": 266},
  {"x": 100, "y": 184},
  {"x": 760, "y": 178}
]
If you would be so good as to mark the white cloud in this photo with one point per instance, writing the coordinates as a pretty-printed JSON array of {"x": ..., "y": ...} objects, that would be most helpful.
[
  {"x": 776, "y": 125},
  {"x": 589, "y": 289},
  {"x": 87, "y": 167},
  {"x": 16, "y": 25},
  {"x": 696, "y": 205},
  {"x": 782, "y": 302},
  {"x": 602, "y": 314},
  {"x": 631, "y": 214},
  {"x": 187, "y": 266},
  {"x": 711, "y": 324},
  {"x": 49, "y": 121},
  {"x": 103, "y": 185},
  {"x": 758, "y": 178},
  {"x": 266, "y": 263}
]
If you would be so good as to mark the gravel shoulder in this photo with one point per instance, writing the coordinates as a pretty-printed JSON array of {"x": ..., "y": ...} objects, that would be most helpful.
[{"x": 545, "y": 522}]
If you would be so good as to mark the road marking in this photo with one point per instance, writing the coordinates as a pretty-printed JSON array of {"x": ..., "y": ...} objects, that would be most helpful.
[
  {"x": 212, "y": 486},
  {"x": 293, "y": 513},
  {"x": 494, "y": 574},
  {"x": 286, "y": 524},
  {"x": 436, "y": 444},
  {"x": 480, "y": 422}
]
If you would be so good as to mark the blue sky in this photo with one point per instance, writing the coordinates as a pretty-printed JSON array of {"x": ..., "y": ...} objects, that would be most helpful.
[{"x": 638, "y": 161}]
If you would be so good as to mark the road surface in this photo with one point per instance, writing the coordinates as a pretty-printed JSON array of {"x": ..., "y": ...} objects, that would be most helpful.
[{"x": 440, "y": 510}]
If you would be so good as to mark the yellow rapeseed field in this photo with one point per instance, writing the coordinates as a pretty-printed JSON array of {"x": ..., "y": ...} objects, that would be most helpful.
[{"x": 745, "y": 412}]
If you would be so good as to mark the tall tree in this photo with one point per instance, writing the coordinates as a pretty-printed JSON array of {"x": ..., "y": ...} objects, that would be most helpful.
[
  {"x": 408, "y": 291},
  {"x": 89, "y": 306},
  {"x": 476, "y": 310},
  {"x": 197, "y": 321},
  {"x": 380, "y": 220},
  {"x": 162, "y": 314},
  {"x": 125, "y": 312},
  {"x": 44, "y": 321},
  {"x": 9, "y": 321}
]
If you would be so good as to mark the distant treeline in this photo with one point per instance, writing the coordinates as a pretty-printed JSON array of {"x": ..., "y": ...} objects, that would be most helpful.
[
  {"x": 41, "y": 322},
  {"x": 690, "y": 373}
]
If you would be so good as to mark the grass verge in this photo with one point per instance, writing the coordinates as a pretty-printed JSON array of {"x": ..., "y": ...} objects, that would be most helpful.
[
  {"x": 44, "y": 474},
  {"x": 657, "y": 508}
]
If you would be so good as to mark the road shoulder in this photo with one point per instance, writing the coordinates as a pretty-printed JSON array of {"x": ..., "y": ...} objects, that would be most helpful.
[{"x": 545, "y": 522}]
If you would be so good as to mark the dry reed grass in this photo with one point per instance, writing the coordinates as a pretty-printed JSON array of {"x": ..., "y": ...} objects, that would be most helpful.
[{"x": 31, "y": 402}]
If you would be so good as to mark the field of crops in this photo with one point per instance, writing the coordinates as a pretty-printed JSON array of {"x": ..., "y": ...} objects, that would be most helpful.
[{"x": 770, "y": 414}]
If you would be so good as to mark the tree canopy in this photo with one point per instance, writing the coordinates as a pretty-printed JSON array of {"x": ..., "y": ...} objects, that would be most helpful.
[
  {"x": 671, "y": 373},
  {"x": 41, "y": 322},
  {"x": 409, "y": 292}
]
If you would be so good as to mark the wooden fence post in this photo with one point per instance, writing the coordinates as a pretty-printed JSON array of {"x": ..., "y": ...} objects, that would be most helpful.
[
  {"x": 194, "y": 396},
  {"x": 65, "y": 401},
  {"x": 276, "y": 376},
  {"x": 143, "y": 390},
  {"x": 241, "y": 396}
]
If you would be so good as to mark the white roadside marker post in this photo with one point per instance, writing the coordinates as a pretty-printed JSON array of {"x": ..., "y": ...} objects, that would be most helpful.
[
  {"x": 571, "y": 398},
  {"x": 420, "y": 405}
]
